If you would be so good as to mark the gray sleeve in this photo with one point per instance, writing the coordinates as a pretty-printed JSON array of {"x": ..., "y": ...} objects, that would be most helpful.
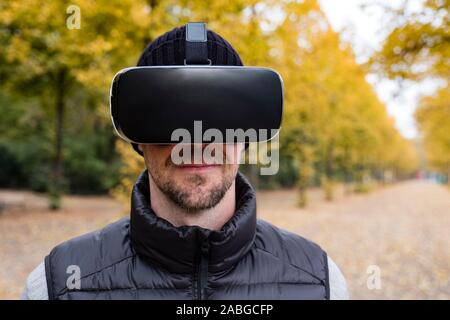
[
  {"x": 36, "y": 285},
  {"x": 338, "y": 285}
]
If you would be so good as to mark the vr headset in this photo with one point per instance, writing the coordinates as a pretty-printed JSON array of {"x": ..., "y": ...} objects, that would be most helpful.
[{"x": 148, "y": 104}]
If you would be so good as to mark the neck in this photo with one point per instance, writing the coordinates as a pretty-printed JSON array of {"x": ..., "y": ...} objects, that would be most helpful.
[{"x": 213, "y": 218}]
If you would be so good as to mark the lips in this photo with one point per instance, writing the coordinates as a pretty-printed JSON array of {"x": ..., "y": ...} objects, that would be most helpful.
[
  {"x": 198, "y": 166},
  {"x": 201, "y": 165}
]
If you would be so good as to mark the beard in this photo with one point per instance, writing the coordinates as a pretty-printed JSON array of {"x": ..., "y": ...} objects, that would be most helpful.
[
  {"x": 188, "y": 199},
  {"x": 192, "y": 192}
]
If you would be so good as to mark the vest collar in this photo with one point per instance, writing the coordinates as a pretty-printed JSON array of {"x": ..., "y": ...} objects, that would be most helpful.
[{"x": 176, "y": 248}]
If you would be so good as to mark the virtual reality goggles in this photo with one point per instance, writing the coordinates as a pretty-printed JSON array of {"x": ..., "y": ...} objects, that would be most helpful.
[{"x": 148, "y": 104}]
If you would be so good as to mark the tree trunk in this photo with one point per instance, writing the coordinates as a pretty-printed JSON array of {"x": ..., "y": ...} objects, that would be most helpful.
[
  {"x": 56, "y": 183},
  {"x": 328, "y": 186},
  {"x": 302, "y": 198},
  {"x": 448, "y": 176}
]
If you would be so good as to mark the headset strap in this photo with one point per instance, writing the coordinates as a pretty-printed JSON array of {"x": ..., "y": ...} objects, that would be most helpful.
[{"x": 196, "y": 44}]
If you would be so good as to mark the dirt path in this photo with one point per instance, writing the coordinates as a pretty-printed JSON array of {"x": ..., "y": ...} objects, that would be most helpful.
[
  {"x": 28, "y": 231},
  {"x": 402, "y": 229}
]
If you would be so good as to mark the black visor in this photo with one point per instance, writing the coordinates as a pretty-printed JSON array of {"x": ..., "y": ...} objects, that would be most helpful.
[{"x": 149, "y": 103}]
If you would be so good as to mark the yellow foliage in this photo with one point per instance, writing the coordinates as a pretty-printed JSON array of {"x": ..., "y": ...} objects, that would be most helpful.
[
  {"x": 334, "y": 124},
  {"x": 433, "y": 117}
]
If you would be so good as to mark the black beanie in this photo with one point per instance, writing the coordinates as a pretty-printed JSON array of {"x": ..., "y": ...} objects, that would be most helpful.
[{"x": 169, "y": 49}]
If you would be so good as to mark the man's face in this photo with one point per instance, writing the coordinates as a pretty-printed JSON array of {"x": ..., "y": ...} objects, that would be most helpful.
[{"x": 193, "y": 187}]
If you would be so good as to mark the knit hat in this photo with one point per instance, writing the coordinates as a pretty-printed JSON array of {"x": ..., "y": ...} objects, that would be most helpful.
[{"x": 169, "y": 49}]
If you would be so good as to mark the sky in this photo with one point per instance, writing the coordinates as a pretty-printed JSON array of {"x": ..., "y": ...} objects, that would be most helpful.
[{"x": 366, "y": 29}]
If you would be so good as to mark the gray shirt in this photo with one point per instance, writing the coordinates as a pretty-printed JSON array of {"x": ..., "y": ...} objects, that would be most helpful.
[{"x": 36, "y": 286}]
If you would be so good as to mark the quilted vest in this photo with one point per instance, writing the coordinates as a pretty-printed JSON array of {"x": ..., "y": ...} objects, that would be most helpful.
[{"x": 145, "y": 257}]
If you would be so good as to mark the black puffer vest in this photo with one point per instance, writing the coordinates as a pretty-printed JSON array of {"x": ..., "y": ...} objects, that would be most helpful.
[{"x": 146, "y": 257}]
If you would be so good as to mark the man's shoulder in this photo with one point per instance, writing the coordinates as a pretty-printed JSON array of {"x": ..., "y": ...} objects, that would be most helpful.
[
  {"x": 276, "y": 239},
  {"x": 93, "y": 240},
  {"x": 80, "y": 251},
  {"x": 291, "y": 247},
  {"x": 302, "y": 253},
  {"x": 89, "y": 254}
]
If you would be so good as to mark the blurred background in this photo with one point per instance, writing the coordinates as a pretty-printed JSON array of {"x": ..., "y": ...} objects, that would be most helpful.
[{"x": 364, "y": 148}]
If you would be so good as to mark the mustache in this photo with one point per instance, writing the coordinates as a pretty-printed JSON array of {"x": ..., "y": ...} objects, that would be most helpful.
[{"x": 210, "y": 157}]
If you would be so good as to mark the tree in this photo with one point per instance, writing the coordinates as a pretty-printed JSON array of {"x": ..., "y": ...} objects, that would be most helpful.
[
  {"x": 334, "y": 126},
  {"x": 433, "y": 118},
  {"x": 419, "y": 44},
  {"x": 334, "y": 122},
  {"x": 42, "y": 57},
  {"x": 418, "y": 48}
]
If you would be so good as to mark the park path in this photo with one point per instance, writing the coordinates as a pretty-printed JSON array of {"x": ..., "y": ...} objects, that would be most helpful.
[{"x": 402, "y": 229}]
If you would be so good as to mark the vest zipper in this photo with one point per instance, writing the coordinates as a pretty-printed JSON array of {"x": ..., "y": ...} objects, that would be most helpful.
[{"x": 202, "y": 275}]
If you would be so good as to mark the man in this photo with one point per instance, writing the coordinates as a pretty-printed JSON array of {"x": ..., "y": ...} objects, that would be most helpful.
[{"x": 192, "y": 231}]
